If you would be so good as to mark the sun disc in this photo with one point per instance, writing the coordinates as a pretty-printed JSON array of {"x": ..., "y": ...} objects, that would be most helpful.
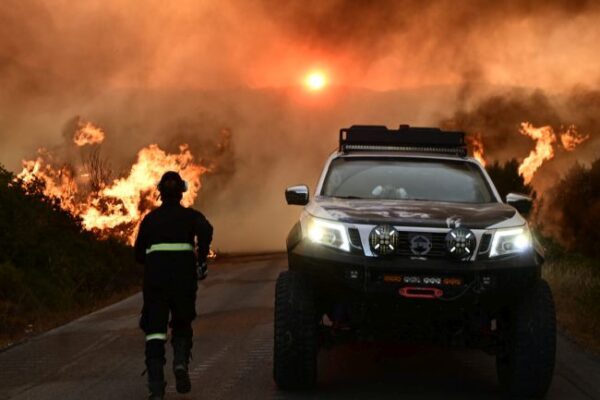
[{"x": 315, "y": 81}]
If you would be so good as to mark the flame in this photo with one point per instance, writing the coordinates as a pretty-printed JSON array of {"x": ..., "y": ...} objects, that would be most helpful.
[
  {"x": 87, "y": 134},
  {"x": 544, "y": 150},
  {"x": 212, "y": 255},
  {"x": 477, "y": 147},
  {"x": 59, "y": 182},
  {"x": 127, "y": 200},
  {"x": 544, "y": 147},
  {"x": 570, "y": 139},
  {"x": 117, "y": 208}
]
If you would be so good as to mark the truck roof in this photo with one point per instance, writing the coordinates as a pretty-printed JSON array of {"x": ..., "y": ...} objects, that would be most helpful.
[{"x": 378, "y": 138}]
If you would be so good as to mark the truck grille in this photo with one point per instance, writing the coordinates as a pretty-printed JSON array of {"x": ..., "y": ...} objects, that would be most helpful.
[{"x": 438, "y": 244}]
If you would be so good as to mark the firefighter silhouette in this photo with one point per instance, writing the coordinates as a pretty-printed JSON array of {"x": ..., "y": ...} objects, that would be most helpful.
[{"x": 173, "y": 241}]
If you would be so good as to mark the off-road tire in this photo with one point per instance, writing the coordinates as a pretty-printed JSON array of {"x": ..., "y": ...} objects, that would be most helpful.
[
  {"x": 526, "y": 365},
  {"x": 296, "y": 326}
]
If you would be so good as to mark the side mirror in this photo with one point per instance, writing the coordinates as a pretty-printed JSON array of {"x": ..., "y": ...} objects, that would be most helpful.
[
  {"x": 297, "y": 195},
  {"x": 521, "y": 202}
]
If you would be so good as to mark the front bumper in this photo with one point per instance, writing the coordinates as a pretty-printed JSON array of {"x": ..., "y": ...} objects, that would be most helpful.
[{"x": 338, "y": 276}]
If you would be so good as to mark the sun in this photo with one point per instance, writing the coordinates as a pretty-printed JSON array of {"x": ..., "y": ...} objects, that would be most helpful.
[{"x": 315, "y": 81}]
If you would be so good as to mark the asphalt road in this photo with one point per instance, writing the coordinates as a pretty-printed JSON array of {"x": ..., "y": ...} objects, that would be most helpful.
[{"x": 100, "y": 356}]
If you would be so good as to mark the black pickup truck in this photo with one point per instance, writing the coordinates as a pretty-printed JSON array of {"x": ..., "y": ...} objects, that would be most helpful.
[{"x": 406, "y": 237}]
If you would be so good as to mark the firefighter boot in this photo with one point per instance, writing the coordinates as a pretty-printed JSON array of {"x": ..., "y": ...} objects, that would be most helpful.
[
  {"x": 156, "y": 379},
  {"x": 182, "y": 347}
]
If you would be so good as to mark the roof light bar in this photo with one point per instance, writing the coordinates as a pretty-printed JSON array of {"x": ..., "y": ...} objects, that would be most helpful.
[
  {"x": 459, "y": 151},
  {"x": 405, "y": 139}
]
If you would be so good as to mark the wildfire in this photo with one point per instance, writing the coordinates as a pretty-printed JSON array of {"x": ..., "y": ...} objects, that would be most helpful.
[
  {"x": 544, "y": 150},
  {"x": 544, "y": 147},
  {"x": 87, "y": 134},
  {"x": 477, "y": 148},
  {"x": 127, "y": 200},
  {"x": 59, "y": 182},
  {"x": 571, "y": 138},
  {"x": 115, "y": 208}
]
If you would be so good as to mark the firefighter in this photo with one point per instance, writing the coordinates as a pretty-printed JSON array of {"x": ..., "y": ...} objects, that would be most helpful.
[{"x": 173, "y": 243}]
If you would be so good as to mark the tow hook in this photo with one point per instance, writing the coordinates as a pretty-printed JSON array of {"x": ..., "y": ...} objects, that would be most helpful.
[{"x": 421, "y": 292}]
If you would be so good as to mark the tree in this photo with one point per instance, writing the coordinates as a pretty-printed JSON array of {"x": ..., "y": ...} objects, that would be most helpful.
[
  {"x": 98, "y": 169},
  {"x": 572, "y": 209},
  {"x": 506, "y": 178}
]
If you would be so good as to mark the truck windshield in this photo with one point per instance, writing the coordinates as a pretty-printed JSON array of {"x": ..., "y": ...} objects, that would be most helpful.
[{"x": 407, "y": 179}]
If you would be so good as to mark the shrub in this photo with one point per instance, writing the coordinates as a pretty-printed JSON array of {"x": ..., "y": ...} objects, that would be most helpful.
[
  {"x": 571, "y": 210},
  {"x": 48, "y": 263}
]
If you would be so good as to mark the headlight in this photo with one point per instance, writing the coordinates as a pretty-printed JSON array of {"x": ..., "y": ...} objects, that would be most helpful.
[
  {"x": 328, "y": 233},
  {"x": 509, "y": 241}
]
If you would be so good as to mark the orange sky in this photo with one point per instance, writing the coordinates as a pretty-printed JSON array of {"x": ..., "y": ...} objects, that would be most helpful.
[
  {"x": 208, "y": 44},
  {"x": 181, "y": 72}
]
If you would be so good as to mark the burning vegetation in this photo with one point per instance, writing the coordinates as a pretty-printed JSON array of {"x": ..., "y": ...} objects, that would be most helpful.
[
  {"x": 544, "y": 133},
  {"x": 476, "y": 144},
  {"x": 87, "y": 134},
  {"x": 110, "y": 208},
  {"x": 545, "y": 140}
]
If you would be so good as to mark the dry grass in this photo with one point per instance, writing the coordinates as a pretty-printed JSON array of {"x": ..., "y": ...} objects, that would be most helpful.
[{"x": 575, "y": 282}]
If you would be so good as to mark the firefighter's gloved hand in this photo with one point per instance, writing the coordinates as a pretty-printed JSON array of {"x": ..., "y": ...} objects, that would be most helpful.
[{"x": 202, "y": 271}]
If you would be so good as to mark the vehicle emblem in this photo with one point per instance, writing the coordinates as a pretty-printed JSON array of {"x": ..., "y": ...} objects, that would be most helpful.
[
  {"x": 420, "y": 245},
  {"x": 384, "y": 240}
]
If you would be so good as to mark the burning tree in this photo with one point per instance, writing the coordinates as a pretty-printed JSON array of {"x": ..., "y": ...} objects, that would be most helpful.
[
  {"x": 97, "y": 169},
  {"x": 118, "y": 208},
  {"x": 109, "y": 208}
]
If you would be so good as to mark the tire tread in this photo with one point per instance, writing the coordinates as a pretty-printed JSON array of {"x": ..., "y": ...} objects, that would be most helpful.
[
  {"x": 295, "y": 344},
  {"x": 527, "y": 367}
]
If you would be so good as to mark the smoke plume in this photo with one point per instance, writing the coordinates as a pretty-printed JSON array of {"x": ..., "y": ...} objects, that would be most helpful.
[
  {"x": 570, "y": 119},
  {"x": 224, "y": 78}
]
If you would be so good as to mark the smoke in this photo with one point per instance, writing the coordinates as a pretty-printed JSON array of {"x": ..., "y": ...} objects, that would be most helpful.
[
  {"x": 223, "y": 77},
  {"x": 571, "y": 118},
  {"x": 77, "y": 50},
  {"x": 361, "y": 27},
  {"x": 415, "y": 43},
  {"x": 568, "y": 134}
]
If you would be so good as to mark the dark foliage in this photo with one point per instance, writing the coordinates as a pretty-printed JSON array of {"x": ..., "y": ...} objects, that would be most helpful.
[
  {"x": 571, "y": 210},
  {"x": 506, "y": 178},
  {"x": 48, "y": 263}
]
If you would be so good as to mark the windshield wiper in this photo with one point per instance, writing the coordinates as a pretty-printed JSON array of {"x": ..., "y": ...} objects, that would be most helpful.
[
  {"x": 416, "y": 199},
  {"x": 349, "y": 197}
]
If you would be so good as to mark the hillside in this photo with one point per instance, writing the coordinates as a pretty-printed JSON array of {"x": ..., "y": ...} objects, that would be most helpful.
[{"x": 50, "y": 268}]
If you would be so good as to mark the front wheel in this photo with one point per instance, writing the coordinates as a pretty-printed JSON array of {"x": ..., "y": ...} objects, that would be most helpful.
[
  {"x": 526, "y": 365},
  {"x": 296, "y": 328}
]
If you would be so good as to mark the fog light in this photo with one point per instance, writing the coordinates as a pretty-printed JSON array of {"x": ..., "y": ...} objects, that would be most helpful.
[
  {"x": 384, "y": 240},
  {"x": 460, "y": 243}
]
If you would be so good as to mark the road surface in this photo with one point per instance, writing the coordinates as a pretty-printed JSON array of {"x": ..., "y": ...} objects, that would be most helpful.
[{"x": 100, "y": 356}]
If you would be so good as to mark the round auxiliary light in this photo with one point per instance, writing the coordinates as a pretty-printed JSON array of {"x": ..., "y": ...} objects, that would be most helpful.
[
  {"x": 384, "y": 240},
  {"x": 460, "y": 243}
]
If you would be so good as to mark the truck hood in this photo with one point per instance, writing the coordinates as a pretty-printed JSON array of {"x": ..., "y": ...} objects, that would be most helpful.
[{"x": 416, "y": 213}]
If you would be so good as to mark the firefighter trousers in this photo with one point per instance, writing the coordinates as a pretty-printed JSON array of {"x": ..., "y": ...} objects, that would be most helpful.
[{"x": 170, "y": 285}]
